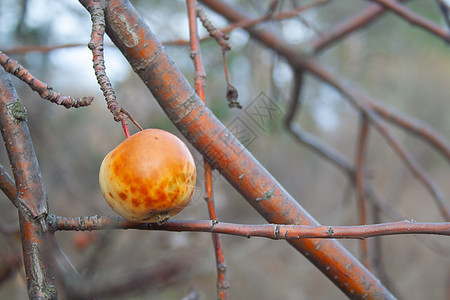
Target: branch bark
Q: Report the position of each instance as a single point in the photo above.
(30, 192)
(271, 231)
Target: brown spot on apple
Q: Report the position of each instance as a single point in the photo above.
(135, 202)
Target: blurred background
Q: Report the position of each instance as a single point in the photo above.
(403, 66)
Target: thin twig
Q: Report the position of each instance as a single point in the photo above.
(44, 90)
(96, 9)
(411, 125)
(414, 18)
(274, 17)
(339, 31)
(222, 40)
(299, 60)
(8, 186)
(200, 77)
(308, 139)
(256, 21)
(271, 231)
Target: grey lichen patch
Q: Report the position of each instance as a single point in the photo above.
(190, 103)
(37, 266)
(267, 195)
(276, 232)
(330, 231)
(17, 111)
(128, 36)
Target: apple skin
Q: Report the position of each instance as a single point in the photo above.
(149, 177)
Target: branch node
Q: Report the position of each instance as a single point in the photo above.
(276, 232)
(330, 231)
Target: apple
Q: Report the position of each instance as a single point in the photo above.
(149, 177)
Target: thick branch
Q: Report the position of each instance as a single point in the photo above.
(30, 193)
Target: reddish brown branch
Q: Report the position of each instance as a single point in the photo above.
(274, 16)
(8, 186)
(339, 31)
(96, 9)
(200, 76)
(414, 18)
(253, 22)
(222, 40)
(413, 126)
(271, 231)
(31, 195)
(44, 90)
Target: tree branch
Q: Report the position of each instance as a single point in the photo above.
(44, 90)
(414, 18)
(270, 231)
(30, 192)
(200, 78)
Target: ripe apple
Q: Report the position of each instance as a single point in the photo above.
(149, 177)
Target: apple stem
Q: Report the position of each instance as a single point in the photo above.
(125, 127)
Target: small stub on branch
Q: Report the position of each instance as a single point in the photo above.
(221, 38)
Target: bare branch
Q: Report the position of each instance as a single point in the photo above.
(31, 195)
(45, 91)
(364, 18)
(200, 78)
(414, 18)
(271, 231)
